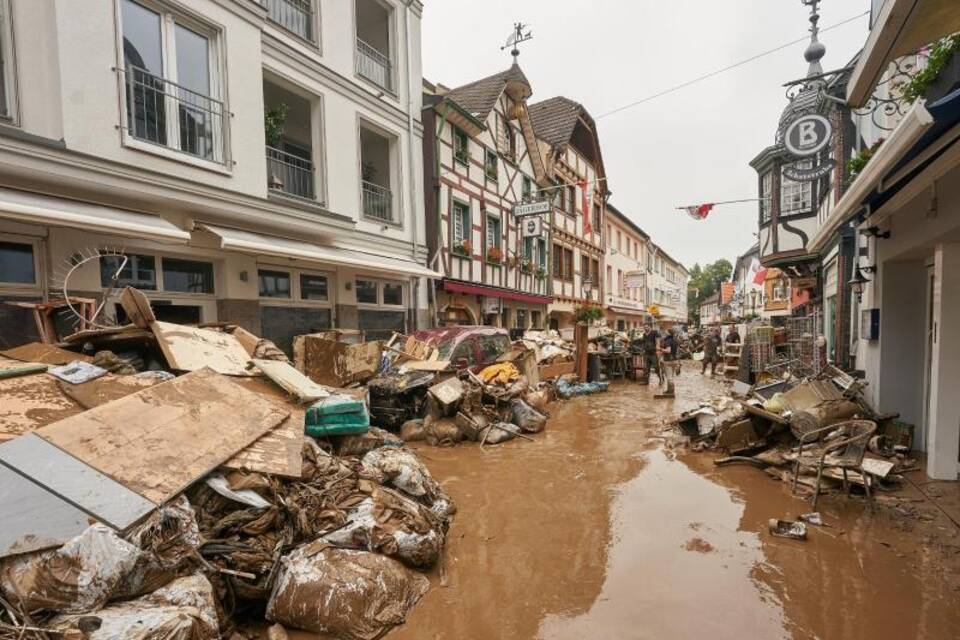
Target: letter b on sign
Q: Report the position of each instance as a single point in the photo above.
(807, 135)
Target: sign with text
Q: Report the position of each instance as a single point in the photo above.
(808, 174)
(525, 209)
(807, 134)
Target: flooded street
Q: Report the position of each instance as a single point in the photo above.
(601, 530)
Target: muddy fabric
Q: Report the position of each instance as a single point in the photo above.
(79, 576)
(442, 433)
(412, 431)
(353, 595)
(401, 469)
(500, 432)
(183, 610)
(526, 417)
(500, 373)
(391, 524)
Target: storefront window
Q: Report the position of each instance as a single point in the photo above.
(314, 287)
(139, 271)
(392, 293)
(366, 292)
(187, 276)
(16, 263)
(274, 284)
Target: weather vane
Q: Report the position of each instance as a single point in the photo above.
(517, 37)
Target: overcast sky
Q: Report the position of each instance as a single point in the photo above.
(689, 147)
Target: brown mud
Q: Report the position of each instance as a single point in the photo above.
(600, 530)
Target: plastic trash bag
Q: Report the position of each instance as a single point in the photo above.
(354, 595)
(526, 417)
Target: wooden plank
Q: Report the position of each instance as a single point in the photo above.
(106, 389)
(32, 402)
(32, 517)
(137, 306)
(191, 349)
(70, 479)
(292, 381)
(44, 354)
(159, 440)
(280, 451)
(556, 370)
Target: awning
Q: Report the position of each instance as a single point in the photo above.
(261, 244)
(911, 129)
(899, 27)
(25, 206)
(627, 311)
(469, 288)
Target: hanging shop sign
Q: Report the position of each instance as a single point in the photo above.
(525, 209)
(491, 305)
(531, 227)
(808, 174)
(807, 134)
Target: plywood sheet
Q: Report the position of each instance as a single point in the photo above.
(292, 381)
(280, 451)
(106, 389)
(44, 354)
(191, 348)
(137, 307)
(32, 402)
(70, 479)
(337, 364)
(32, 517)
(158, 441)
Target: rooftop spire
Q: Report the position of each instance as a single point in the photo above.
(815, 50)
(516, 38)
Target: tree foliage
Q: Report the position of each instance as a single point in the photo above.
(704, 282)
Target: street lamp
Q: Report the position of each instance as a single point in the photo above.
(857, 283)
(586, 285)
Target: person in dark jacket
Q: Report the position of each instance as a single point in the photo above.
(711, 352)
(734, 336)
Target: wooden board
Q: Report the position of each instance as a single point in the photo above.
(292, 381)
(137, 306)
(32, 402)
(337, 364)
(191, 349)
(159, 440)
(556, 370)
(70, 479)
(44, 354)
(279, 452)
(106, 389)
(32, 517)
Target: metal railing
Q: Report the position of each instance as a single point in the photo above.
(289, 174)
(374, 65)
(377, 201)
(296, 16)
(168, 114)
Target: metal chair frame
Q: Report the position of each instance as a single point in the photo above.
(856, 443)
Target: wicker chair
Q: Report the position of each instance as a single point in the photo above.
(845, 453)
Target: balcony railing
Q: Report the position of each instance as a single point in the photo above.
(296, 16)
(377, 201)
(168, 114)
(374, 65)
(289, 174)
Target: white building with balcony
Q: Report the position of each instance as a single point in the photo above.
(256, 162)
(625, 272)
(666, 288)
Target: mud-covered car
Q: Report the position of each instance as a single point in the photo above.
(396, 397)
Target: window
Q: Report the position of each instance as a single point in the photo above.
(595, 272)
(528, 249)
(274, 284)
(374, 55)
(557, 261)
(493, 231)
(17, 264)
(568, 264)
(527, 188)
(585, 268)
(460, 223)
(170, 89)
(766, 188)
(619, 241)
(392, 293)
(314, 287)
(596, 216)
(139, 271)
(535, 320)
(542, 253)
(461, 146)
(187, 276)
(779, 289)
(491, 164)
(796, 196)
(296, 16)
(7, 68)
(570, 199)
(609, 278)
(366, 292)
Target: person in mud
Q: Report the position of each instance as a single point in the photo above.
(711, 352)
(667, 348)
(734, 336)
(651, 340)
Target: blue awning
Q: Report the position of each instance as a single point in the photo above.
(946, 115)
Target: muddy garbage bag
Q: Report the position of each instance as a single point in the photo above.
(538, 399)
(441, 433)
(391, 524)
(413, 431)
(526, 417)
(182, 610)
(79, 576)
(401, 469)
(499, 432)
(362, 443)
(354, 595)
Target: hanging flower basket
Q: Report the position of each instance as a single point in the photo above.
(494, 255)
(465, 249)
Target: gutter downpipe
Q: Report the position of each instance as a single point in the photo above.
(411, 161)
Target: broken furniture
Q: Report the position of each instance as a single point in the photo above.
(845, 453)
(86, 309)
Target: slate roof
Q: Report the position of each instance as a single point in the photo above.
(479, 97)
(555, 119)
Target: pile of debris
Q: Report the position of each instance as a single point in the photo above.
(817, 433)
(157, 481)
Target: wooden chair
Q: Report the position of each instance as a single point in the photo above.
(845, 453)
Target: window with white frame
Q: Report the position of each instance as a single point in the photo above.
(174, 275)
(8, 70)
(373, 292)
(461, 146)
(274, 284)
(766, 188)
(18, 263)
(171, 88)
(130, 270)
(293, 284)
(460, 228)
(493, 231)
(542, 253)
(796, 196)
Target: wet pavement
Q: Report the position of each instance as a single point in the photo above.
(601, 530)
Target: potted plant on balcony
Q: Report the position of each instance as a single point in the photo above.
(857, 163)
(541, 274)
(494, 255)
(464, 249)
(526, 266)
(274, 120)
(940, 75)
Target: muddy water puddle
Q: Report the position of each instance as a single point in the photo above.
(598, 530)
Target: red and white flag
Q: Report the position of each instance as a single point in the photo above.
(758, 273)
(585, 203)
(699, 211)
